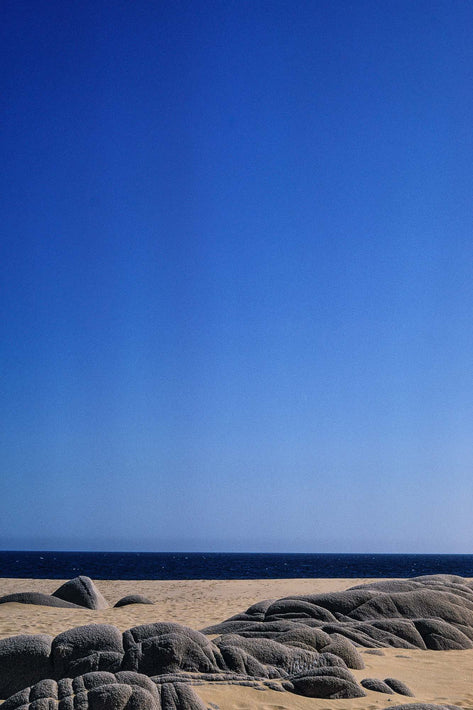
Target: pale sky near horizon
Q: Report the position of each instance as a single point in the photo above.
(237, 275)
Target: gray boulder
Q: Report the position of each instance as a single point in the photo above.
(395, 631)
(379, 686)
(299, 644)
(398, 686)
(179, 696)
(120, 696)
(416, 604)
(341, 602)
(241, 662)
(267, 658)
(342, 647)
(92, 691)
(84, 649)
(438, 635)
(37, 598)
(434, 612)
(331, 683)
(259, 609)
(298, 635)
(133, 599)
(162, 647)
(24, 660)
(234, 626)
(310, 639)
(83, 592)
(297, 609)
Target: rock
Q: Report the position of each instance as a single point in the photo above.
(299, 644)
(438, 635)
(434, 611)
(313, 639)
(327, 683)
(273, 659)
(167, 648)
(91, 691)
(24, 660)
(37, 598)
(118, 696)
(341, 602)
(416, 604)
(83, 592)
(297, 608)
(133, 599)
(301, 636)
(398, 686)
(179, 696)
(95, 647)
(234, 626)
(379, 686)
(259, 609)
(344, 649)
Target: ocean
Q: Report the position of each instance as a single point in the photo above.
(222, 565)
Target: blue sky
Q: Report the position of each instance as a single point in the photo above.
(237, 276)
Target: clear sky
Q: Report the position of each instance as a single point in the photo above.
(237, 275)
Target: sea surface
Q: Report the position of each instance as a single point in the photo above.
(220, 565)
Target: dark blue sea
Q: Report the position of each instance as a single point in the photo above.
(220, 565)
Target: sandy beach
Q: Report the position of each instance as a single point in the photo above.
(434, 676)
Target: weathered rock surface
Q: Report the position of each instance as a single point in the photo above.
(79, 592)
(95, 647)
(379, 686)
(83, 592)
(23, 661)
(103, 690)
(179, 696)
(37, 598)
(304, 645)
(163, 647)
(335, 682)
(388, 685)
(398, 686)
(133, 599)
(434, 612)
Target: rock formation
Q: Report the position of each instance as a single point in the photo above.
(304, 645)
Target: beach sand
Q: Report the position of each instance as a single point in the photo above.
(434, 676)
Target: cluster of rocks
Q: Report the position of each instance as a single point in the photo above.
(304, 645)
(170, 653)
(430, 612)
(78, 593)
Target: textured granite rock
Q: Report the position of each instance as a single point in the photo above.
(379, 686)
(37, 598)
(133, 599)
(104, 691)
(24, 660)
(95, 647)
(398, 686)
(434, 611)
(332, 683)
(302, 645)
(167, 648)
(83, 592)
